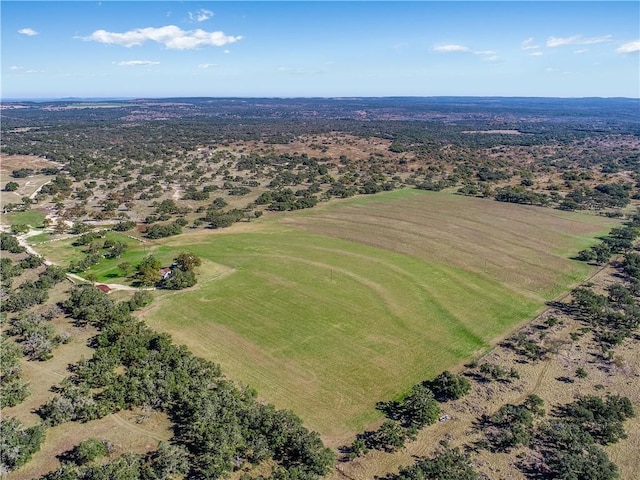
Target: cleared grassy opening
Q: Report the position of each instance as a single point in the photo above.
(330, 310)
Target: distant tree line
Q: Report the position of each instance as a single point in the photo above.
(619, 240)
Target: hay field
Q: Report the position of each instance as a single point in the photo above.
(330, 310)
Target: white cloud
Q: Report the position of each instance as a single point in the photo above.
(172, 37)
(137, 63)
(557, 42)
(528, 44)
(576, 40)
(594, 40)
(18, 68)
(201, 15)
(581, 51)
(229, 51)
(630, 47)
(207, 65)
(28, 31)
(451, 48)
(487, 55)
(536, 54)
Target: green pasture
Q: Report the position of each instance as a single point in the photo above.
(33, 218)
(327, 327)
(40, 238)
(330, 310)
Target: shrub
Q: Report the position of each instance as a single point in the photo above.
(11, 187)
(89, 450)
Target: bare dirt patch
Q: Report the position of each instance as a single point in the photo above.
(8, 163)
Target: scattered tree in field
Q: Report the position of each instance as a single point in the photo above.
(588, 462)
(124, 226)
(31, 261)
(391, 436)
(126, 268)
(179, 279)
(89, 450)
(8, 270)
(149, 270)
(36, 335)
(161, 231)
(420, 407)
(491, 371)
(18, 228)
(25, 296)
(22, 172)
(512, 425)
(448, 386)
(14, 388)
(447, 464)
(603, 419)
(187, 261)
(11, 186)
(10, 243)
(182, 274)
(569, 452)
(87, 304)
(168, 461)
(17, 444)
(140, 299)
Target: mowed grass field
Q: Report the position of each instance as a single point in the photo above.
(328, 311)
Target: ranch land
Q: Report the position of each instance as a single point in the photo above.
(347, 252)
(327, 312)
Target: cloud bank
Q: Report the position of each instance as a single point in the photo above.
(171, 36)
(137, 63)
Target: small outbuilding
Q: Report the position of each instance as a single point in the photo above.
(166, 272)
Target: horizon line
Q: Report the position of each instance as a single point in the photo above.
(284, 97)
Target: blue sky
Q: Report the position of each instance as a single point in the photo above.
(288, 49)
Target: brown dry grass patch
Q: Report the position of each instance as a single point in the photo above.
(8, 163)
(121, 429)
(477, 235)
